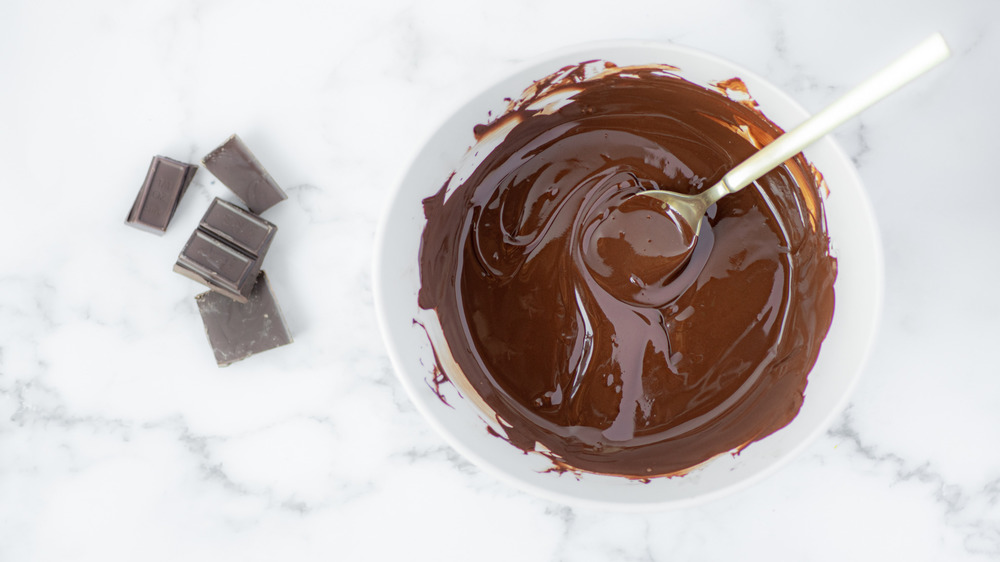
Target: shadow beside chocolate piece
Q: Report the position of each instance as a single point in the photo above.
(239, 170)
(239, 330)
(165, 184)
(227, 249)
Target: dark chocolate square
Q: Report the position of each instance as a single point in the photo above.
(227, 249)
(218, 265)
(239, 330)
(238, 228)
(165, 184)
(239, 170)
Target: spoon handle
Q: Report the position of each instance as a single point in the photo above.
(915, 62)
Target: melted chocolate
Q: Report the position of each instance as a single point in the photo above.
(554, 291)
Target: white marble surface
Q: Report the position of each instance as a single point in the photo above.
(121, 440)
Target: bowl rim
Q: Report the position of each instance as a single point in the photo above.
(416, 394)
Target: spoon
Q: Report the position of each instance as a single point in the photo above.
(691, 208)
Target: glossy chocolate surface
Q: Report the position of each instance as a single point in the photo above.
(563, 319)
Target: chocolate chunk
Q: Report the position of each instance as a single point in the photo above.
(237, 227)
(227, 249)
(239, 330)
(218, 265)
(166, 181)
(239, 170)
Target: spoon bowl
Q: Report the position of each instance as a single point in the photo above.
(689, 208)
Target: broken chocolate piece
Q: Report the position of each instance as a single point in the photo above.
(166, 181)
(239, 330)
(239, 170)
(227, 249)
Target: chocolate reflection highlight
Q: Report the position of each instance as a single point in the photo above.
(569, 326)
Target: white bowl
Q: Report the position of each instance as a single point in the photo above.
(858, 288)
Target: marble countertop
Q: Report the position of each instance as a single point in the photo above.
(120, 439)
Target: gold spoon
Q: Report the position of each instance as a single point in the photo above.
(920, 59)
